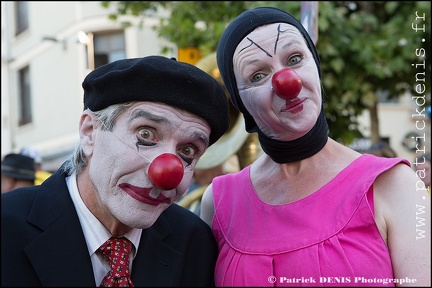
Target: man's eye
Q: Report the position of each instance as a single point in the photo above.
(188, 153)
(146, 134)
(146, 137)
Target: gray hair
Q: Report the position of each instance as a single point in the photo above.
(107, 117)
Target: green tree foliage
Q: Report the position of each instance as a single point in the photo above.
(366, 48)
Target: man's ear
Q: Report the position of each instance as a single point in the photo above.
(87, 130)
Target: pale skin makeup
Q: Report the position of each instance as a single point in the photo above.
(258, 56)
(256, 59)
(114, 185)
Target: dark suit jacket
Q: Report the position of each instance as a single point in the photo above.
(42, 243)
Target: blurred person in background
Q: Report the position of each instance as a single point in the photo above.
(17, 171)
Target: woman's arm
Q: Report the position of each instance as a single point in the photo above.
(403, 214)
(207, 205)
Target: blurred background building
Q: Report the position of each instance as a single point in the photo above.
(49, 47)
(47, 50)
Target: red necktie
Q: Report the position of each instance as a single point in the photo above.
(116, 252)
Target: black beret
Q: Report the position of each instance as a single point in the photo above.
(18, 166)
(159, 79)
(241, 26)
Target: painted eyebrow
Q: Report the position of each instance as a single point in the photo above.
(279, 32)
(293, 42)
(201, 137)
(256, 44)
(149, 116)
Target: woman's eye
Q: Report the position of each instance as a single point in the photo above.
(294, 60)
(257, 77)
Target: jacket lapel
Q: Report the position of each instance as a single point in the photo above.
(156, 263)
(59, 255)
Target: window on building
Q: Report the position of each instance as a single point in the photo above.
(21, 17)
(24, 99)
(108, 47)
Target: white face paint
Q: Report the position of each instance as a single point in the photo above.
(258, 56)
(119, 159)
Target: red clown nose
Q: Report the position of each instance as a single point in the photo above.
(286, 83)
(166, 171)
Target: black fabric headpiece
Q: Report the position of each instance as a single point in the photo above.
(246, 22)
(159, 79)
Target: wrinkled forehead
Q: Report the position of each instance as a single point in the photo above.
(270, 34)
(149, 110)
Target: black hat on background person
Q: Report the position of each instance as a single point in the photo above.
(17, 171)
(18, 166)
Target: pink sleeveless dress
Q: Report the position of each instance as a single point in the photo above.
(329, 238)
